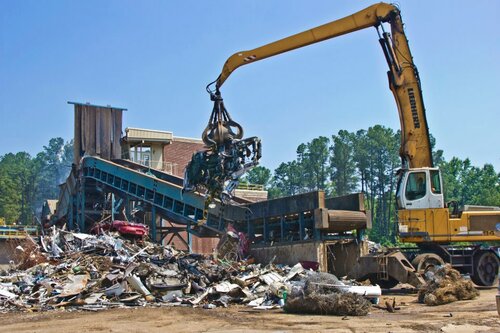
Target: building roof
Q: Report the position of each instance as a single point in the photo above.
(188, 140)
(133, 134)
(98, 106)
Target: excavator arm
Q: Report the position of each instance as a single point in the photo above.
(422, 215)
(403, 76)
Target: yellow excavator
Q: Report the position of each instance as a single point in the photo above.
(423, 216)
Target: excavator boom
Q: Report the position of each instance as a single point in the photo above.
(403, 75)
(365, 18)
(423, 217)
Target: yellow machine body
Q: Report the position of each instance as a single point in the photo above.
(436, 225)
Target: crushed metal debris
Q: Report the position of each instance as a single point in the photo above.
(77, 271)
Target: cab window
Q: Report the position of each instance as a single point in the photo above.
(415, 186)
(435, 182)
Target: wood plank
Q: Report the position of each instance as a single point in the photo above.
(105, 133)
(77, 135)
(116, 148)
(91, 130)
(98, 131)
(85, 130)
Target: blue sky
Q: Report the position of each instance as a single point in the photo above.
(155, 58)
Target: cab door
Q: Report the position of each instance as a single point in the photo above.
(415, 190)
(436, 197)
(420, 189)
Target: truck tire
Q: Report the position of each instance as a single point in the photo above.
(427, 261)
(486, 265)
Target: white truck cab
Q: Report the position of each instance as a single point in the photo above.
(420, 188)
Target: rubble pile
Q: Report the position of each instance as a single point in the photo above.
(446, 285)
(93, 272)
(27, 254)
(323, 293)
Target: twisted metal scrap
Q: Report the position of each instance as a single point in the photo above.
(217, 169)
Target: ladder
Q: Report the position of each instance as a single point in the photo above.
(382, 273)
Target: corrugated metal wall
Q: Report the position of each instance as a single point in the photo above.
(97, 131)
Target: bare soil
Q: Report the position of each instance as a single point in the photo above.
(479, 315)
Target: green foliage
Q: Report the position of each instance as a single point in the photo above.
(309, 172)
(26, 181)
(437, 155)
(469, 184)
(367, 161)
(383, 161)
(313, 159)
(18, 185)
(259, 175)
(287, 179)
(343, 164)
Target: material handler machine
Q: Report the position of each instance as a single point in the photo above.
(423, 217)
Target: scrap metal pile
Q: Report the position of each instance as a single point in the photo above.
(228, 156)
(92, 272)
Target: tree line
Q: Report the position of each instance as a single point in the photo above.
(26, 181)
(348, 162)
(366, 161)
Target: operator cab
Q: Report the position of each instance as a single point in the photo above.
(420, 188)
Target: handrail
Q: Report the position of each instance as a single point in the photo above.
(17, 231)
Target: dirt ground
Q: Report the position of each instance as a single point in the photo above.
(478, 315)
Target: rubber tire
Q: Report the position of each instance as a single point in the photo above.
(426, 261)
(485, 260)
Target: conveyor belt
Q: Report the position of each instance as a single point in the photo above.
(158, 189)
(163, 176)
(301, 217)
